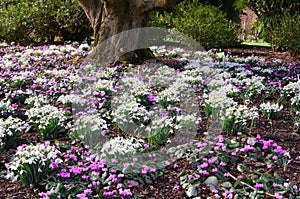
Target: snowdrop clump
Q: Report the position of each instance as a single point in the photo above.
(120, 146)
(48, 120)
(7, 108)
(23, 76)
(251, 86)
(31, 163)
(175, 52)
(89, 128)
(238, 117)
(128, 112)
(37, 101)
(193, 76)
(291, 89)
(295, 101)
(271, 110)
(292, 92)
(219, 101)
(158, 50)
(10, 128)
(104, 85)
(70, 99)
(165, 76)
(242, 112)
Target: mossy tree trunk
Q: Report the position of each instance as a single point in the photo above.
(110, 17)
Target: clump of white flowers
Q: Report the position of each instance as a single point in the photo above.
(119, 146)
(89, 129)
(175, 52)
(36, 101)
(85, 47)
(242, 112)
(158, 50)
(6, 108)
(48, 120)
(292, 92)
(104, 85)
(292, 89)
(128, 112)
(10, 129)
(217, 102)
(68, 100)
(165, 76)
(31, 163)
(271, 110)
(295, 101)
(253, 86)
(238, 117)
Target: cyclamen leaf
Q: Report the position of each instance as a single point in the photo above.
(242, 168)
(212, 181)
(192, 191)
(226, 185)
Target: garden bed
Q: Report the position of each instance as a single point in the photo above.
(246, 163)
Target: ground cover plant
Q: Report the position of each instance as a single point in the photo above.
(46, 148)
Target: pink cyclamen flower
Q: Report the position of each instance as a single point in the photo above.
(277, 196)
(222, 164)
(259, 185)
(176, 186)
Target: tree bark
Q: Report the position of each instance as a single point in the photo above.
(110, 17)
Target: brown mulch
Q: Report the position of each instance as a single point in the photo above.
(262, 52)
(163, 187)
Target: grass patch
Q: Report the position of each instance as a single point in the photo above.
(264, 44)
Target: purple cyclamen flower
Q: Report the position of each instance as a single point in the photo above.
(126, 192)
(259, 185)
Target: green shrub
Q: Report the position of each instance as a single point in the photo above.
(205, 23)
(287, 33)
(40, 21)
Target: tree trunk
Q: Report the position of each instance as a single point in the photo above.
(111, 17)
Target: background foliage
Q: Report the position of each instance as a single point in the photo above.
(280, 20)
(207, 24)
(40, 21)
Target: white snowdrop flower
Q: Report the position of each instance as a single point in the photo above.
(37, 101)
(129, 111)
(32, 155)
(271, 107)
(293, 88)
(6, 108)
(295, 101)
(121, 146)
(105, 84)
(70, 99)
(85, 47)
(242, 112)
(251, 59)
(218, 99)
(257, 68)
(267, 70)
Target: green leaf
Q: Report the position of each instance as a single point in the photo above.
(212, 181)
(185, 185)
(242, 168)
(226, 185)
(237, 183)
(260, 164)
(192, 191)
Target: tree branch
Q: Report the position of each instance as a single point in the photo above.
(92, 8)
